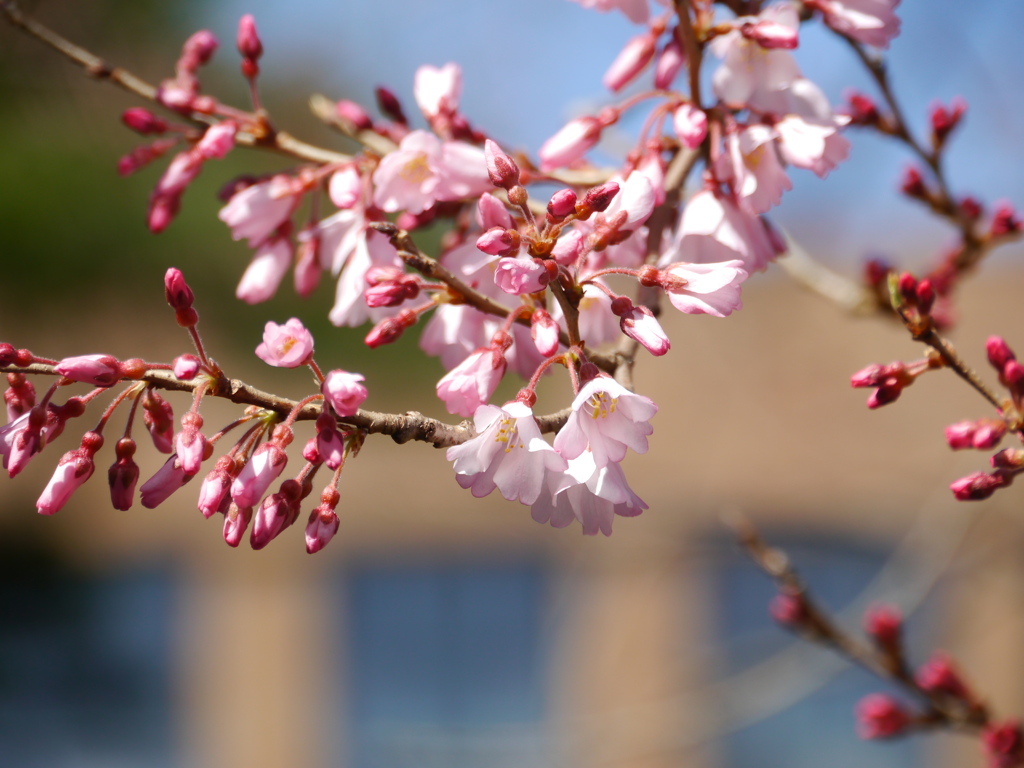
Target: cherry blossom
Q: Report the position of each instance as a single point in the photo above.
(285, 346)
(508, 453)
(710, 289)
(606, 419)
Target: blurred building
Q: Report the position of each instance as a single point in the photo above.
(437, 630)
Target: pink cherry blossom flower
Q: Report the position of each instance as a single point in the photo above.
(190, 443)
(587, 493)
(814, 144)
(257, 211)
(343, 391)
(23, 438)
(508, 453)
(519, 276)
(437, 89)
(218, 140)
(330, 444)
(263, 468)
(265, 272)
(714, 229)
(872, 22)
(751, 164)
(424, 170)
(286, 346)
(670, 62)
(711, 289)
(471, 383)
(544, 332)
(606, 419)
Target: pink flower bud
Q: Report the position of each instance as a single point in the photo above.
(169, 478)
(979, 485)
(218, 140)
(597, 199)
(178, 294)
(912, 185)
(1003, 744)
(960, 435)
(248, 40)
(274, 514)
(884, 624)
(330, 445)
(344, 392)
(351, 112)
(159, 419)
(307, 266)
(944, 120)
(691, 124)
(20, 396)
(200, 47)
(670, 62)
(185, 367)
(519, 276)
(263, 468)
(501, 169)
(73, 469)
(1008, 458)
(561, 204)
(938, 675)
(190, 444)
(498, 241)
(491, 212)
(1005, 221)
(770, 34)
(236, 520)
(98, 370)
(390, 329)
(570, 143)
(568, 248)
(143, 121)
(640, 325)
(880, 717)
(214, 494)
(631, 61)
(322, 526)
(390, 105)
(544, 332)
(788, 609)
(123, 475)
(286, 346)
(862, 109)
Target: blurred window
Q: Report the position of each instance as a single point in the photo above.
(85, 667)
(446, 667)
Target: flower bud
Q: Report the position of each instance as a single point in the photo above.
(98, 370)
(631, 61)
(1003, 744)
(770, 34)
(501, 169)
(389, 104)
(123, 475)
(236, 520)
(597, 199)
(670, 62)
(248, 39)
(880, 717)
(143, 121)
(344, 392)
(544, 332)
(691, 124)
(788, 609)
(944, 120)
(178, 294)
(938, 675)
(912, 185)
(185, 367)
(351, 112)
(1005, 221)
(497, 241)
(169, 478)
(570, 143)
(561, 204)
(884, 624)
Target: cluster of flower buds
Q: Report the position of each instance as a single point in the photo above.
(239, 484)
(889, 381)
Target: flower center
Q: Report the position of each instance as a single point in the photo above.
(602, 405)
(416, 170)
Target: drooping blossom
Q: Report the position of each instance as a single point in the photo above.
(424, 170)
(73, 469)
(471, 383)
(872, 22)
(344, 391)
(508, 453)
(634, 57)
(710, 289)
(690, 124)
(169, 478)
(257, 211)
(265, 465)
(265, 272)
(751, 164)
(286, 346)
(590, 494)
(437, 90)
(606, 419)
(570, 143)
(518, 276)
(714, 229)
(812, 143)
(322, 526)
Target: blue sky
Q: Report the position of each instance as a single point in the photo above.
(531, 65)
